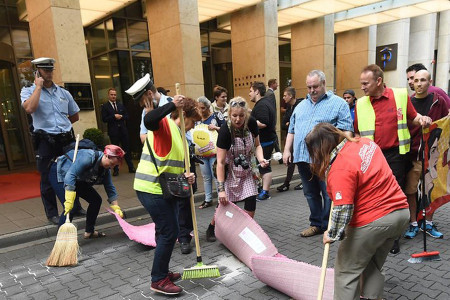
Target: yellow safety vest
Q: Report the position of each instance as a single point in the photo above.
(366, 118)
(146, 178)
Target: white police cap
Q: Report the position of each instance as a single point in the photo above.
(140, 87)
(44, 62)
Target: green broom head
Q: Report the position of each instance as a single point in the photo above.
(201, 271)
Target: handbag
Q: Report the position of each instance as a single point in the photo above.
(173, 186)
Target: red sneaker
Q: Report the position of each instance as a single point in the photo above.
(173, 276)
(165, 286)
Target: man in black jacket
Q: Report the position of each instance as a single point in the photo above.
(264, 113)
(272, 86)
(115, 115)
(292, 102)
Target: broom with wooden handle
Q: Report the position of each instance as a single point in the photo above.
(425, 255)
(199, 270)
(326, 250)
(66, 249)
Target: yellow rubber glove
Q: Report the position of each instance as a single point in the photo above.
(70, 198)
(117, 210)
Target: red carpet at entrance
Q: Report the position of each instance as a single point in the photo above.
(19, 186)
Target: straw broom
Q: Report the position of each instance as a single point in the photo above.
(66, 249)
(199, 270)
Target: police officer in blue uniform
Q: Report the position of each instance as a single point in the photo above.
(53, 111)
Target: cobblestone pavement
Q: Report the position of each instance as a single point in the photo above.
(117, 268)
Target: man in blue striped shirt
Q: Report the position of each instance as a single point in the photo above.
(319, 106)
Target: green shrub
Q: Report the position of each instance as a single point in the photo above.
(95, 135)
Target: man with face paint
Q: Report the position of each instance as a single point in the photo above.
(382, 116)
(434, 106)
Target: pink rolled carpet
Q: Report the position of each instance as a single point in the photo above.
(241, 234)
(144, 234)
(296, 279)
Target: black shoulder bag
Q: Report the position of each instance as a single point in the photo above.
(174, 186)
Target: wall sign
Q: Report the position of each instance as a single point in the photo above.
(82, 94)
(386, 57)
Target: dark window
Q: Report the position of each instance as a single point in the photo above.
(21, 42)
(284, 50)
(138, 35)
(97, 39)
(4, 36)
(14, 18)
(124, 65)
(119, 55)
(204, 39)
(120, 30)
(102, 77)
(110, 33)
(134, 10)
(3, 19)
(141, 64)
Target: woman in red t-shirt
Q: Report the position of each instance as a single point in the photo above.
(370, 209)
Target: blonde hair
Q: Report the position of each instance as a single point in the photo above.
(235, 103)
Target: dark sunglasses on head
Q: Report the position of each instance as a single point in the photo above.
(236, 103)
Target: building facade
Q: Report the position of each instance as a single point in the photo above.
(198, 47)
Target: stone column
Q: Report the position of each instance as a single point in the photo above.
(422, 38)
(355, 49)
(254, 47)
(175, 45)
(57, 31)
(443, 60)
(312, 47)
(392, 33)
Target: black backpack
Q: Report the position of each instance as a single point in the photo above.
(82, 144)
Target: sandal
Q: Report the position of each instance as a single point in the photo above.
(205, 205)
(94, 235)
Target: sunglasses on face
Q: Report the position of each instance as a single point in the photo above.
(236, 103)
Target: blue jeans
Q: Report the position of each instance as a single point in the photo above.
(85, 191)
(312, 188)
(208, 176)
(165, 215)
(46, 153)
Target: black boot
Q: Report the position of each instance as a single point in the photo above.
(210, 235)
(396, 247)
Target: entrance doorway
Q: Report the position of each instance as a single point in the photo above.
(13, 152)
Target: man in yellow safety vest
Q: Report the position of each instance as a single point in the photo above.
(382, 115)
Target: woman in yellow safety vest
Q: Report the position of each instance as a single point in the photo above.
(165, 143)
